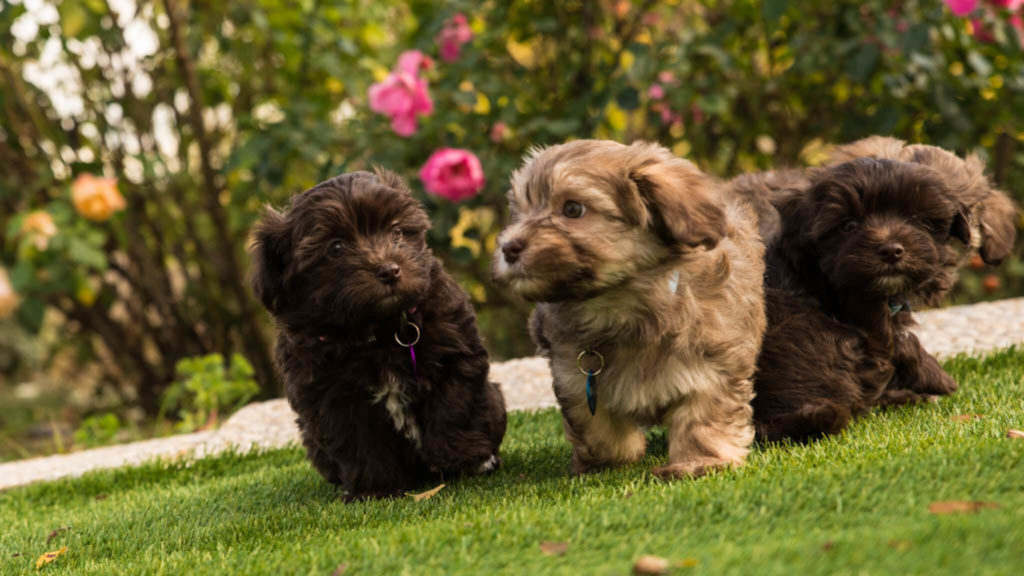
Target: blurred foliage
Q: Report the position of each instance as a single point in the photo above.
(208, 390)
(97, 430)
(205, 111)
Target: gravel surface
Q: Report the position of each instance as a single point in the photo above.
(526, 382)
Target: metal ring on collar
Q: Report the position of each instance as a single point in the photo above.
(579, 362)
(414, 340)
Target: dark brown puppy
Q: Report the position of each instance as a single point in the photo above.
(865, 239)
(348, 276)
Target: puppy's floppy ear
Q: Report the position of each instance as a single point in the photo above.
(961, 227)
(682, 202)
(271, 251)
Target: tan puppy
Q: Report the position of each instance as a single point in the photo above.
(647, 277)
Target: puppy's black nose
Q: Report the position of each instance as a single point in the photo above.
(389, 273)
(512, 249)
(891, 252)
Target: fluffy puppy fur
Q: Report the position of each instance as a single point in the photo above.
(854, 247)
(994, 215)
(631, 252)
(344, 272)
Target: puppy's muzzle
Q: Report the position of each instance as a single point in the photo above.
(389, 273)
(891, 252)
(513, 249)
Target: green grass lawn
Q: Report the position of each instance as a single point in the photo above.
(858, 503)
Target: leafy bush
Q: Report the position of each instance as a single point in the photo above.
(207, 390)
(205, 111)
(97, 430)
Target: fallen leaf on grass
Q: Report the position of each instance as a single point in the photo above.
(16, 554)
(1014, 434)
(340, 569)
(50, 557)
(651, 565)
(686, 563)
(827, 546)
(101, 496)
(966, 417)
(56, 532)
(959, 506)
(554, 548)
(425, 495)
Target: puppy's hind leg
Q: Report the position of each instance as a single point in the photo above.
(812, 420)
(601, 440)
(708, 430)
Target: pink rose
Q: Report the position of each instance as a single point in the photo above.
(401, 96)
(1018, 26)
(962, 7)
(1008, 4)
(666, 77)
(668, 117)
(498, 131)
(453, 173)
(453, 35)
(980, 31)
(655, 92)
(413, 62)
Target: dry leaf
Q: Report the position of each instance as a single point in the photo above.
(958, 506)
(966, 417)
(50, 557)
(554, 548)
(340, 569)
(426, 495)
(16, 554)
(827, 546)
(101, 496)
(1014, 434)
(55, 532)
(686, 563)
(651, 565)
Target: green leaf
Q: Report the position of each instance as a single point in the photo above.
(628, 99)
(772, 10)
(22, 276)
(86, 254)
(30, 315)
(73, 18)
(863, 63)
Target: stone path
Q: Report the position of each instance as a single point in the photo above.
(526, 382)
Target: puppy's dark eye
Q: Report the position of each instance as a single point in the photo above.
(850, 226)
(397, 234)
(573, 209)
(335, 249)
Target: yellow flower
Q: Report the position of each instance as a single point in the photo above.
(8, 298)
(38, 226)
(96, 198)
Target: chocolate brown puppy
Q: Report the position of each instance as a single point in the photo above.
(648, 280)
(377, 344)
(994, 215)
(856, 248)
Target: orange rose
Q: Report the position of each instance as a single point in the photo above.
(8, 299)
(96, 198)
(39, 227)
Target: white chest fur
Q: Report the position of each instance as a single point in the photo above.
(392, 395)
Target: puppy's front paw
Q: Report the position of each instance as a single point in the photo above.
(691, 469)
(490, 465)
(931, 379)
